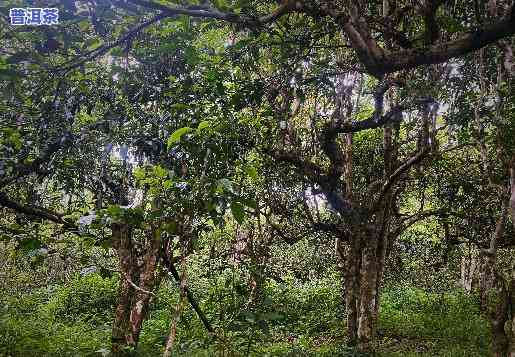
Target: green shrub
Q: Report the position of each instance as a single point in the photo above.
(440, 322)
(90, 298)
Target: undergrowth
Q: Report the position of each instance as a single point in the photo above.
(293, 319)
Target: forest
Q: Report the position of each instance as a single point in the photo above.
(257, 178)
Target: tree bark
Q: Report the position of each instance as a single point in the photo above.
(121, 335)
(495, 294)
(352, 289)
(512, 308)
(368, 291)
(469, 267)
(363, 274)
(512, 191)
(148, 280)
(135, 288)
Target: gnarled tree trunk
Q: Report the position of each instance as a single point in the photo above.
(135, 287)
(363, 274)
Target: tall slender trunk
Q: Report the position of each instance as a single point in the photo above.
(149, 278)
(469, 266)
(512, 283)
(512, 308)
(512, 190)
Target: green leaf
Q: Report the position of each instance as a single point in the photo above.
(167, 184)
(30, 244)
(180, 106)
(176, 136)
(224, 184)
(248, 202)
(203, 125)
(115, 211)
(238, 211)
(170, 227)
(273, 316)
(160, 172)
(84, 24)
(252, 172)
(139, 173)
(249, 316)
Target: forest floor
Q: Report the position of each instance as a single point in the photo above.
(293, 320)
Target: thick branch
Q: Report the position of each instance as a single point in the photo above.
(412, 58)
(375, 121)
(34, 211)
(378, 62)
(328, 184)
(307, 168)
(211, 13)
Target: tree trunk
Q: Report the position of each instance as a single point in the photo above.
(352, 281)
(148, 280)
(512, 308)
(469, 267)
(512, 190)
(495, 294)
(122, 242)
(368, 291)
(364, 270)
(133, 299)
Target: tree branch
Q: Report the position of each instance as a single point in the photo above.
(375, 121)
(103, 49)
(417, 217)
(212, 13)
(136, 287)
(411, 58)
(398, 172)
(432, 28)
(378, 62)
(34, 211)
(328, 184)
(22, 169)
(170, 267)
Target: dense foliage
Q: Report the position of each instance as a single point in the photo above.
(252, 178)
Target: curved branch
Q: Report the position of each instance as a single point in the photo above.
(397, 173)
(34, 211)
(411, 58)
(170, 268)
(378, 62)
(212, 13)
(101, 50)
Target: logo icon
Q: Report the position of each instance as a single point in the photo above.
(34, 16)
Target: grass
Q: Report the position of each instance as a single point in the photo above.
(295, 320)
